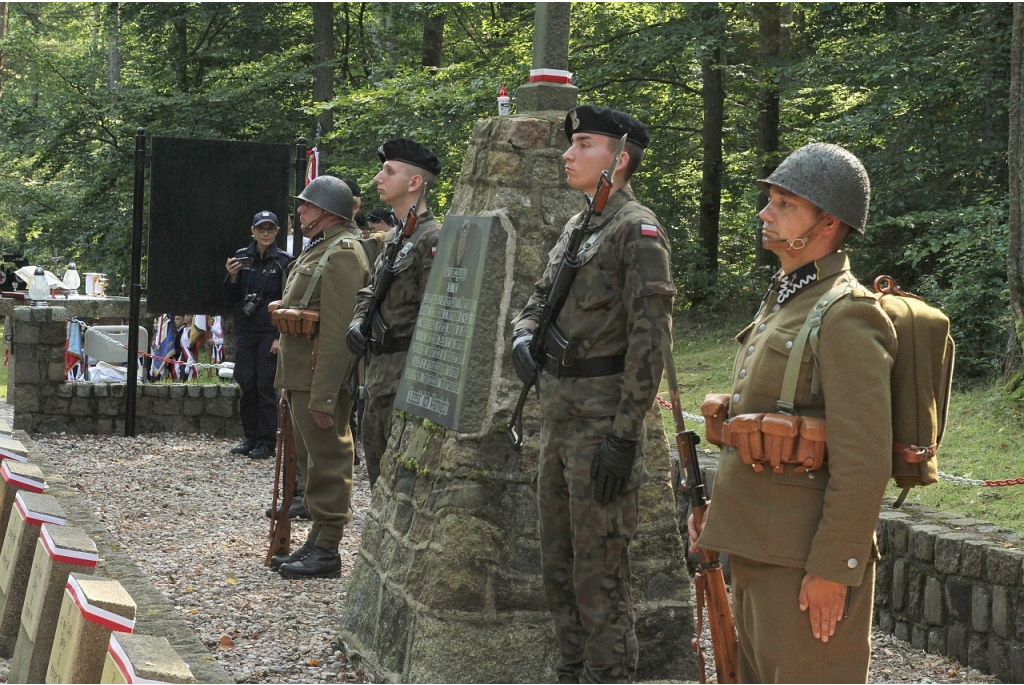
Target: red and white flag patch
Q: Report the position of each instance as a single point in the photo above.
(433, 251)
(648, 230)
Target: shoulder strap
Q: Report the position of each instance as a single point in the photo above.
(809, 332)
(308, 295)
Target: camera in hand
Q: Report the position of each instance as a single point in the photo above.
(252, 303)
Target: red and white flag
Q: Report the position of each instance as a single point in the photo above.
(312, 164)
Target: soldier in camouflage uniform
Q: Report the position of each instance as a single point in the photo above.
(407, 169)
(313, 371)
(594, 396)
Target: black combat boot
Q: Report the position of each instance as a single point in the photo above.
(244, 447)
(301, 553)
(320, 563)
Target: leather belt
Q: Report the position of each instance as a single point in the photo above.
(393, 345)
(586, 368)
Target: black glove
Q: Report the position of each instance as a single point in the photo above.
(613, 462)
(524, 363)
(355, 339)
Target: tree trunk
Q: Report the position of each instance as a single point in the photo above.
(772, 38)
(433, 40)
(113, 47)
(323, 63)
(4, 15)
(713, 96)
(1015, 257)
(180, 52)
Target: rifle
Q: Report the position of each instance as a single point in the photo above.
(284, 482)
(386, 276)
(709, 580)
(552, 305)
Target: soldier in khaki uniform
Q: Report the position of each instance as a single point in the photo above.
(408, 168)
(313, 372)
(594, 395)
(803, 542)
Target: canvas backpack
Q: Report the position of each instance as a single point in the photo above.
(921, 378)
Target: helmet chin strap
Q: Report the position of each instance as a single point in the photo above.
(796, 243)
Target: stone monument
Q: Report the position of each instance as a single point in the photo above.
(447, 585)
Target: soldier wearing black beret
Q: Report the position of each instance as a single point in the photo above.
(408, 169)
(595, 394)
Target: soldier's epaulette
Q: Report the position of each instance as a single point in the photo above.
(346, 244)
(861, 293)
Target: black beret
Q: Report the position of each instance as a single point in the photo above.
(607, 122)
(410, 152)
(353, 186)
(381, 215)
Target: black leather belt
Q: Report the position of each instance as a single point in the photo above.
(393, 345)
(586, 368)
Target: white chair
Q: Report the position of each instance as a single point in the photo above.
(104, 344)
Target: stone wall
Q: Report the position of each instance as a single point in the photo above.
(952, 585)
(44, 402)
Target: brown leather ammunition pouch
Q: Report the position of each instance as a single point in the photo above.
(310, 323)
(744, 433)
(780, 436)
(298, 322)
(811, 448)
(715, 410)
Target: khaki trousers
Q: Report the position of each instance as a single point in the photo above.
(775, 640)
(329, 461)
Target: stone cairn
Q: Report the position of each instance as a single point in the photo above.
(58, 622)
(447, 584)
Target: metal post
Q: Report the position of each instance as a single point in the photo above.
(300, 183)
(135, 289)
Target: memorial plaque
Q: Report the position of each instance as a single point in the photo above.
(450, 364)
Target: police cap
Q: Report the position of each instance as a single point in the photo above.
(410, 152)
(264, 217)
(607, 122)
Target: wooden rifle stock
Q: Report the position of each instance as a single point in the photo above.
(560, 284)
(709, 581)
(284, 483)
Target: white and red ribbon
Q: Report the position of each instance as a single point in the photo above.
(21, 482)
(107, 619)
(11, 454)
(123, 663)
(35, 518)
(312, 164)
(550, 75)
(66, 556)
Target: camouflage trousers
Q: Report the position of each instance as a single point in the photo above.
(585, 556)
(376, 429)
(329, 456)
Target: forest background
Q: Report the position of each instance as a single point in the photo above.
(920, 92)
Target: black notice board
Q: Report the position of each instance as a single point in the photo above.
(203, 195)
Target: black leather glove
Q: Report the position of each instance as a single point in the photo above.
(613, 462)
(355, 339)
(522, 360)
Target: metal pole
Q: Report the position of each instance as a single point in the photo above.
(135, 289)
(300, 183)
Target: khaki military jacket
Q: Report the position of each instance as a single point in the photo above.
(402, 304)
(620, 303)
(345, 273)
(822, 521)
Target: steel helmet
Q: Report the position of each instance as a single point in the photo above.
(329, 194)
(829, 176)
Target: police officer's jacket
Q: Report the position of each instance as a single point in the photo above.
(822, 521)
(265, 278)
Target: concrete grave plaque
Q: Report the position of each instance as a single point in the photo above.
(16, 476)
(33, 510)
(451, 361)
(91, 610)
(143, 659)
(59, 550)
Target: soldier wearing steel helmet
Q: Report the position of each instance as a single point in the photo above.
(324, 279)
(802, 542)
(595, 392)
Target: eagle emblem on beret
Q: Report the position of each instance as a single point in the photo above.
(575, 119)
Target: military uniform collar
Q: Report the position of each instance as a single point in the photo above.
(786, 286)
(616, 201)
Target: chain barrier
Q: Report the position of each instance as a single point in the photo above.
(195, 365)
(959, 480)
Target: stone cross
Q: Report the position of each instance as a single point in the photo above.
(549, 87)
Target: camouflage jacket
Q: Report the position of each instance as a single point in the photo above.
(402, 304)
(620, 304)
(345, 272)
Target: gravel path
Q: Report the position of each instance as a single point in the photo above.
(192, 517)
